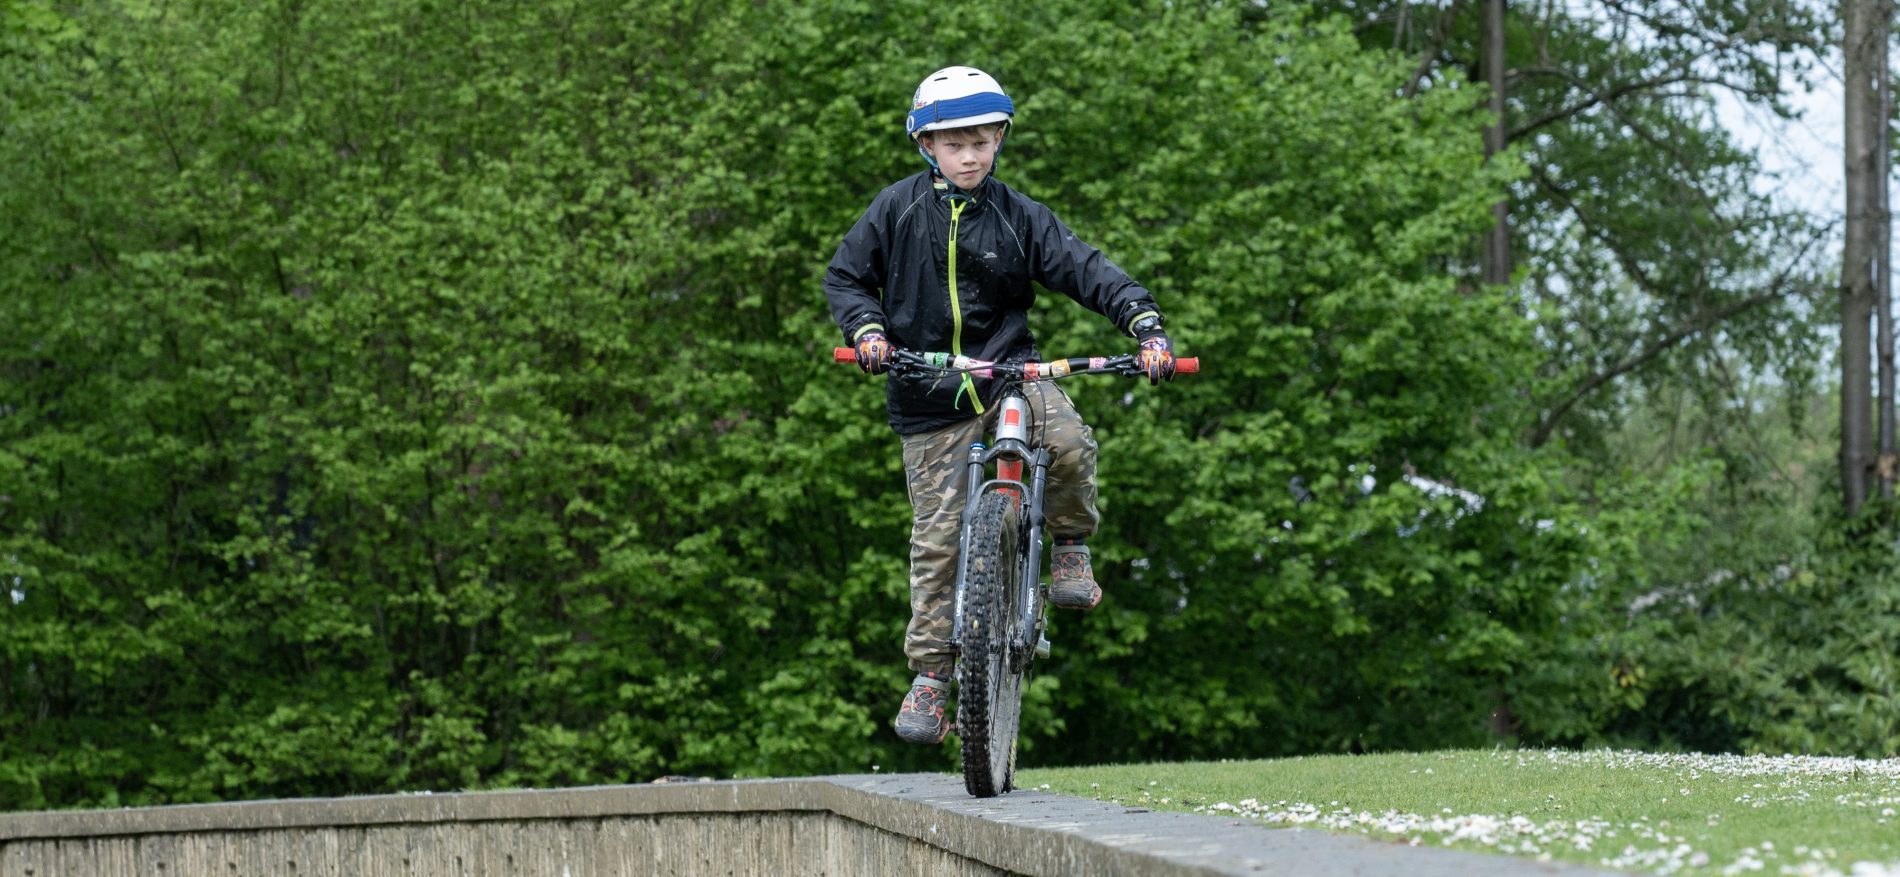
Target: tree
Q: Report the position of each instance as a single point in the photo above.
(1642, 236)
(1863, 263)
(1497, 240)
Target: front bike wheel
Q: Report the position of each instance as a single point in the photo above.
(989, 699)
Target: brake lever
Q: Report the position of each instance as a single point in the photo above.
(1127, 365)
(907, 360)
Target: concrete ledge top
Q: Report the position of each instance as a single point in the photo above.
(1025, 831)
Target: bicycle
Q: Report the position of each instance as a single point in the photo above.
(998, 618)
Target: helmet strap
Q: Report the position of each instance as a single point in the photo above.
(950, 190)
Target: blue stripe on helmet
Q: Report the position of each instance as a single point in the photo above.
(960, 108)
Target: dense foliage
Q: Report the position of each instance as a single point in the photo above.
(396, 397)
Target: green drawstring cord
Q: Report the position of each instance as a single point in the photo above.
(957, 203)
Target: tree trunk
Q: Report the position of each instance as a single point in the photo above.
(1497, 241)
(1883, 250)
(1865, 42)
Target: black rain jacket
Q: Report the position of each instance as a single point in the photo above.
(894, 268)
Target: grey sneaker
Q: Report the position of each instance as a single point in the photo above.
(924, 716)
(1072, 581)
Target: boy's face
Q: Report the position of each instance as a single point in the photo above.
(965, 155)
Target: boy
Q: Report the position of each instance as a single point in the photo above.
(942, 262)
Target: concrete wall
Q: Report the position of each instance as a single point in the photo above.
(675, 846)
(785, 827)
(914, 825)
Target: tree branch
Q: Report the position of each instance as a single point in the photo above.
(1440, 32)
(1662, 144)
(1597, 98)
(1693, 326)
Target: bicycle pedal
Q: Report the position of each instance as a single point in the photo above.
(1042, 646)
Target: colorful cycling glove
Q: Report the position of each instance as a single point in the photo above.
(874, 353)
(1156, 357)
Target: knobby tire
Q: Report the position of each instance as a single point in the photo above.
(989, 699)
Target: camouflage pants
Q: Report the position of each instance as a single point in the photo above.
(934, 465)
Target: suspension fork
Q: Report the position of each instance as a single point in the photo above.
(1013, 441)
(1031, 578)
(972, 479)
(1011, 450)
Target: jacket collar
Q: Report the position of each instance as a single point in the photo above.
(976, 198)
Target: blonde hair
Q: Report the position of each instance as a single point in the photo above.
(992, 129)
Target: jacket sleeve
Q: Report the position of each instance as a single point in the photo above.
(1064, 263)
(854, 282)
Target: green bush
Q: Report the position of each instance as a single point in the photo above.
(1794, 654)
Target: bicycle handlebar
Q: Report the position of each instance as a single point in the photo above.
(1029, 371)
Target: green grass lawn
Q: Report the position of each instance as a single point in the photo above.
(1662, 814)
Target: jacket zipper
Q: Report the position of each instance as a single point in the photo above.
(956, 308)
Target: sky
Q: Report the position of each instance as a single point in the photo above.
(1802, 158)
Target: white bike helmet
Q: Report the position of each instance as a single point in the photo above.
(957, 97)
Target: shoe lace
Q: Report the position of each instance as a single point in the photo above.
(1072, 565)
(925, 700)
